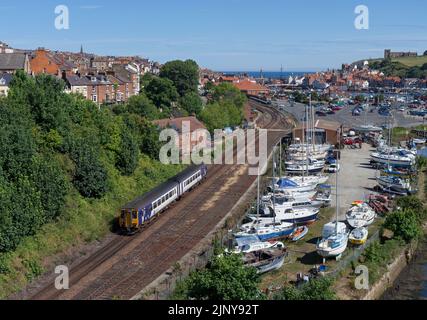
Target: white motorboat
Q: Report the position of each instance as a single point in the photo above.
(358, 236)
(284, 184)
(395, 183)
(297, 196)
(360, 215)
(305, 162)
(265, 260)
(266, 232)
(368, 128)
(300, 156)
(315, 179)
(289, 202)
(393, 159)
(334, 240)
(300, 216)
(302, 147)
(252, 243)
(301, 168)
(419, 141)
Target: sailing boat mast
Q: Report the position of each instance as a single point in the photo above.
(306, 143)
(336, 187)
(257, 202)
(274, 189)
(313, 133)
(280, 159)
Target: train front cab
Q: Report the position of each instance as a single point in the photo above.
(129, 220)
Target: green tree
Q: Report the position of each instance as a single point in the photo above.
(184, 75)
(149, 139)
(226, 92)
(209, 87)
(192, 103)
(90, 177)
(50, 180)
(225, 278)
(162, 92)
(143, 106)
(127, 158)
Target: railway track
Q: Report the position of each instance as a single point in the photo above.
(125, 265)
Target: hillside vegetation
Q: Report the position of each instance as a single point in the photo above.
(67, 165)
(412, 61)
(398, 69)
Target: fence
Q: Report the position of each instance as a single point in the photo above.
(166, 287)
(352, 255)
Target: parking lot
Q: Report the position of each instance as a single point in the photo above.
(344, 116)
(355, 179)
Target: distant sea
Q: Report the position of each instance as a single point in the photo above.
(269, 74)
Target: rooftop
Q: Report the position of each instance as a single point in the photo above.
(178, 123)
(12, 61)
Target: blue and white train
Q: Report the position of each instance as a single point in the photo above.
(142, 210)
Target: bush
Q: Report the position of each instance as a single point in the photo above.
(90, 177)
(316, 289)
(377, 256)
(225, 278)
(127, 159)
(414, 204)
(405, 224)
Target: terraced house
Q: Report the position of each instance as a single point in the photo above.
(101, 88)
(46, 62)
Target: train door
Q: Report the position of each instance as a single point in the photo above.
(179, 189)
(140, 217)
(147, 212)
(135, 223)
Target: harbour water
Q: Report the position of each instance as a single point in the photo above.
(412, 282)
(269, 74)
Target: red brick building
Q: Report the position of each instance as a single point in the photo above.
(43, 62)
(251, 88)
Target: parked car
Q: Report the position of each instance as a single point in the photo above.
(321, 113)
(334, 167)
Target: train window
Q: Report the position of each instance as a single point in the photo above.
(134, 215)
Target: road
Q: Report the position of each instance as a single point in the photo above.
(123, 266)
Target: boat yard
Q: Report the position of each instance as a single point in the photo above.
(325, 200)
(356, 182)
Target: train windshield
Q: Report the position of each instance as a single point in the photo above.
(134, 215)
